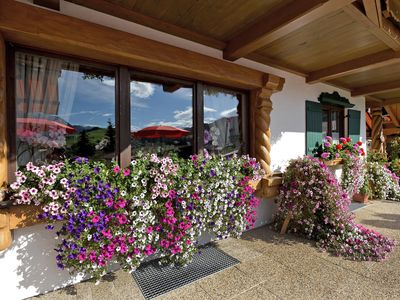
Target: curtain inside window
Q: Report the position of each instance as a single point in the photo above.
(39, 101)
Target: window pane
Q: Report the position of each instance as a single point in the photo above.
(335, 121)
(221, 121)
(161, 117)
(63, 109)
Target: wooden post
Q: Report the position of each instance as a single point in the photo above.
(377, 129)
(262, 107)
(5, 232)
(285, 224)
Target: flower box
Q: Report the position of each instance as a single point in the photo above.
(334, 162)
(361, 198)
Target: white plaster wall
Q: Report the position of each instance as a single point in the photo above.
(28, 267)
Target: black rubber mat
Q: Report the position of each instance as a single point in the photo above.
(155, 280)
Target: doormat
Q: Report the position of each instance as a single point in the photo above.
(155, 280)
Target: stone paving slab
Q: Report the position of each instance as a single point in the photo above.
(276, 267)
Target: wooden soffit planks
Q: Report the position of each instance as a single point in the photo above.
(385, 31)
(137, 17)
(35, 27)
(279, 23)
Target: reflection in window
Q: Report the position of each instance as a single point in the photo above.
(63, 109)
(161, 117)
(221, 121)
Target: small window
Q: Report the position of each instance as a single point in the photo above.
(333, 121)
(63, 109)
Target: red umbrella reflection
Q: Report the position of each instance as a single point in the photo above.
(43, 125)
(154, 132)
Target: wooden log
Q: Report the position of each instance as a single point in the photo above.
(5, 231)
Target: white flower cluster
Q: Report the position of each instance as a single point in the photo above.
(384, 186)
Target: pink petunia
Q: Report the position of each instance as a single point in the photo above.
(117, 169)
(127, 172)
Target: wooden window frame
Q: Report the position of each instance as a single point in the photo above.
(122, 75)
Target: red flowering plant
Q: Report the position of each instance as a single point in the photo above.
(329, 150)
(156, 206)
(319, 210)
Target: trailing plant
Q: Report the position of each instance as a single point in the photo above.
(158, 205)
(353, 174)
(384, 183)
(393, 148)
(376, 156)
(365, 188)
(318, 208)
(329, 150)
(394, 166)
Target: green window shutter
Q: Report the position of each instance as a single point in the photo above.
(313, 125)
(354, 121)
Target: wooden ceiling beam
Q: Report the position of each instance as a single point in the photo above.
(382, 103)
(51, 4)
(376, 88)
(361, 64)
(278, 23)
(122, 12)
(373, 11)
(387, 33)
(391, 131)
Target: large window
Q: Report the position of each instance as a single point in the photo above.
(67, 107)
(63, 108)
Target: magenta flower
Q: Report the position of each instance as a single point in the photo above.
(121, 203)
(117, 169)
(95, 219)
(127, 172)
(325, 155)
(109, 202)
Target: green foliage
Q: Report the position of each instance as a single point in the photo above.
(365, 188)
(376, 156)
(110, 135)
(393, 148)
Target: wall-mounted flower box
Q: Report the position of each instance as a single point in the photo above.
(334, 162)
(16, 217)
(267, 187)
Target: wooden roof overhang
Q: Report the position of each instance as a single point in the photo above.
(351, 44)
(346, 43)
(43, 29)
